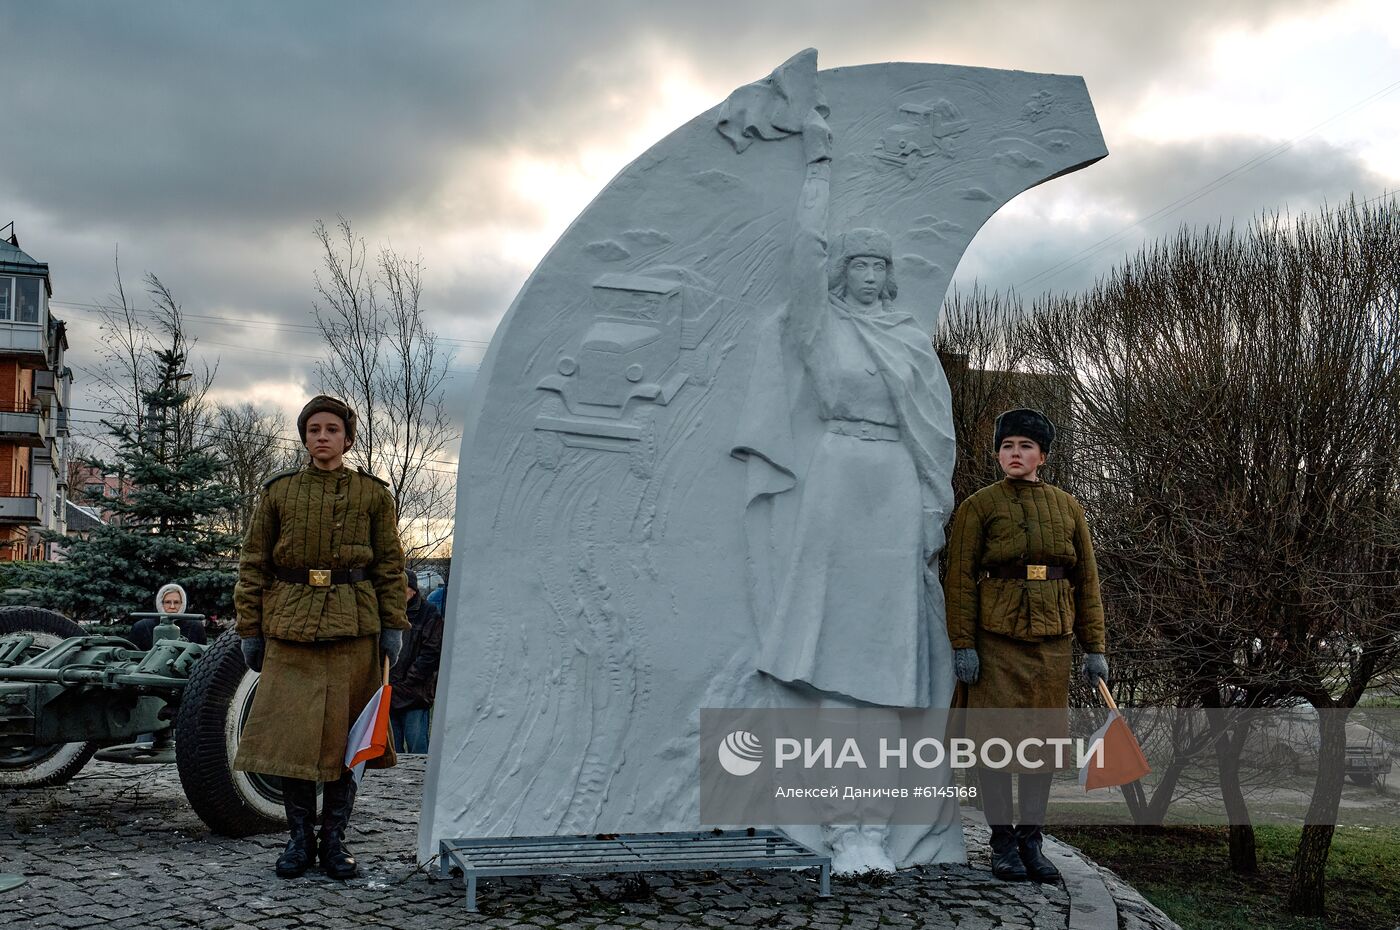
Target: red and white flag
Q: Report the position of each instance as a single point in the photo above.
(1117, 758)
(369, 734)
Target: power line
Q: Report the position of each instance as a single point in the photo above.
(99, 310)
(218, 430)
(1192, 196)
(282, 440)
(93, 307)
(285, 441)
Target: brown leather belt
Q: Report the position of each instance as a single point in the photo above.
(319, 577)
(1026, 572)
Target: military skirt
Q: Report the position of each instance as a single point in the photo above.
(1022, 692)
(308, 696)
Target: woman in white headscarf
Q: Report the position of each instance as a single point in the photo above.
(170, 599)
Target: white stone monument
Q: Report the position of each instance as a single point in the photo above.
(708, 452)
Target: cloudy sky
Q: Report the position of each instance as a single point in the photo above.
(204, 141)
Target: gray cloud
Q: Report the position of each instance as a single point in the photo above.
(207, 139)
(1141, 186)
(262, 111)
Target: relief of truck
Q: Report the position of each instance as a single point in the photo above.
(646, 340)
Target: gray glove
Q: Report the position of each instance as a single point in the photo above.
(391, 644)
(1095, 667)
(966, 666)
(253, 648)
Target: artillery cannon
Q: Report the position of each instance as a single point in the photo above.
(65, 695)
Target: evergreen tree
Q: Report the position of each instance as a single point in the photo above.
(163, 530)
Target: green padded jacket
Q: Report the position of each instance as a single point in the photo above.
(313, 518)
(1016, 522)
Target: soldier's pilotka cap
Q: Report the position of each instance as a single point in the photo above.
(1025, 422)
(324, 403)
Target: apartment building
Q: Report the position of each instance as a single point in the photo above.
(34, 391)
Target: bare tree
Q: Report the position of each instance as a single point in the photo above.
(983, 346)
(129, 369)
(1235, 398)
(192, 418)
(79, 450)
(984, 341)
(253, 445)
(126, 367)
(384, 361)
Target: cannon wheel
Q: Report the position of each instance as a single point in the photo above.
(41, 766)
(213, 709)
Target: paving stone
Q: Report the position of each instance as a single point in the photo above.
(119, 847)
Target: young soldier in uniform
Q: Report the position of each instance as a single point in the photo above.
(320, 600)
(1021, 583)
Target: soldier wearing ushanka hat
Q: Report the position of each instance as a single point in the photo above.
(320, 599)
(1021, 584)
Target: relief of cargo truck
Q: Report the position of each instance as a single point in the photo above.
(645, 342)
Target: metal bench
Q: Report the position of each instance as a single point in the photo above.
(608, 853)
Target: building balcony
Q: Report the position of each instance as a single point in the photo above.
(24, 427)
(43, 381)
(26, 510)
(26, 341)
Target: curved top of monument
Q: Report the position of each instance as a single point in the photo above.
(927, 152)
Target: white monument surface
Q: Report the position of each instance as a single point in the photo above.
(708, 452)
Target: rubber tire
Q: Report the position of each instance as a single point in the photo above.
(66, 759)
(1362, 778)
(207, 728)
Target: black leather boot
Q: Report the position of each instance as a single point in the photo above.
(1035, 798)
(996, 804)
(299, 801)
(338, 800)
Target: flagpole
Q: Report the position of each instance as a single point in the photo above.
(1107, 698)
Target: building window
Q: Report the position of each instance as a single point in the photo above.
(27, 300)
(20, 299)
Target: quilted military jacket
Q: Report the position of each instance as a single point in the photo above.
(312, 518)
(1014, 523)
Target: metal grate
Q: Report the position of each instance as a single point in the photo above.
(627, 852)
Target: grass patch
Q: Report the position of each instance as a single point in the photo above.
(1185, 871)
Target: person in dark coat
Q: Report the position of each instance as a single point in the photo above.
(1022, 584)
(413, 679)
(320, 610)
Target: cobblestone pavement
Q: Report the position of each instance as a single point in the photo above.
(119, 848)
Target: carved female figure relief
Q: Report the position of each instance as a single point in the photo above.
(851, 595)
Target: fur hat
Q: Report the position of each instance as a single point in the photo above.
(324, 403)
(411, 577)
(854, 243)
(1025, 422)
(874, 242)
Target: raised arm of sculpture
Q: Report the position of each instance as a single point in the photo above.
(807, 285)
